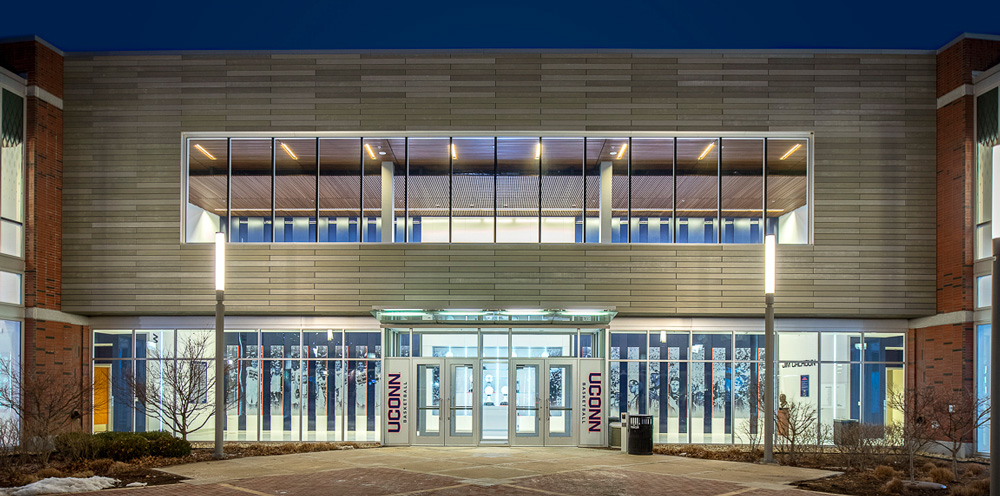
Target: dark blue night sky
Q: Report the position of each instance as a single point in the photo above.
(451, 24)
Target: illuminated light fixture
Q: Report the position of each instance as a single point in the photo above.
(622, 151)
(769, 264)
(525, 312)
(289, 151)
(368, 148)
(220, 261)
(663, 337)
(454, 154)
(205, 152)
(329, 334)
(402, 310)
(462, 312)
(706, 150)
(404, 314)
(790, 152)
(538, 151)
(584, 312)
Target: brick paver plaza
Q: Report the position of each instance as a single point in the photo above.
(458, 471)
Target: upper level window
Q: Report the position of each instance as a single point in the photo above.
(503, 189)
(11, 174)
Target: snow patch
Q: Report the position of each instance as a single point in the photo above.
(57, 485)
(136, 484)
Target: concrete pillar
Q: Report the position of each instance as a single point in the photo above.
(388, 168)
(605, 202)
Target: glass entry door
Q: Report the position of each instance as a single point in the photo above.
(543, 411)
(461, 403)
(429, 418)
(445, 402)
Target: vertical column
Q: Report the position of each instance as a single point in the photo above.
(387, 202)
(605, 201)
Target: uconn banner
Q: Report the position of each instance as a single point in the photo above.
(397, 428)
(592, 398)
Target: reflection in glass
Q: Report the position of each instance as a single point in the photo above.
(560, 401)
(742, 190)
(496, 399)
(363, 400)
(652, 188)
(527, 401)
(787, 206)
(562, 190)
(461, 400)
(473, 192)
(518, 189)
(428, 400)
(697, 190)
(339, 190)
(295, 190)
(428, 190)
(208, 178)
(251, 191)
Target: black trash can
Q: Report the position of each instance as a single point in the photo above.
(640, 434)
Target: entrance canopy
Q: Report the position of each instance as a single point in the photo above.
(392, 317)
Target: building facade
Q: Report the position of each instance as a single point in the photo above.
(503, 247)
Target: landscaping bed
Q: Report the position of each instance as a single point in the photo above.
(889, 476)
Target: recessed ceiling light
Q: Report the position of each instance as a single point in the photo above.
(368, 148)
(381, 153)
(538, 151)
(707, 149)
(454, 154)
(205, 152)
(790, 152)
(622, 151)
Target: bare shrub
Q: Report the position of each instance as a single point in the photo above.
(941, 475)
(895, 486)
(958, 413)
(101, 465)
(915, 432)
(797, 431)
(179, 392)
(927, 467)
(43, 405)
(119, 468)
(884, 472)
(47, 472)
(863, 446)
(974, 470)
(84, 474)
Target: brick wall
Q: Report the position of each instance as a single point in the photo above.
(55, 350)
(42, 66)
(955, 226)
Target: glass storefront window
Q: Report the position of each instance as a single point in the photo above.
(495, 189)
(652, 190)
(562, 190)
(250, 191)
(339, 190)
(429, 189)
(295, 190)
(982, 378)
(787, 190)
(11, 174)
(473, 190)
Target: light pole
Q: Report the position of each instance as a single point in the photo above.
(769, 349)
(220, 317)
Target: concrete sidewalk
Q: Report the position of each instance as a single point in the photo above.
(514, 471)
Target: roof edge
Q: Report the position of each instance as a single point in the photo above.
(972, 36)
(504, 50)
(32, 37)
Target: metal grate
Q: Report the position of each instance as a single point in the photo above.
(986, 118)
(13, 120)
